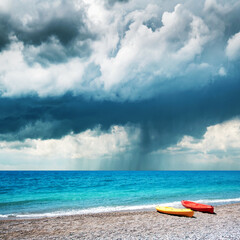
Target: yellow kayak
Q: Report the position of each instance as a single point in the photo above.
(176, 211)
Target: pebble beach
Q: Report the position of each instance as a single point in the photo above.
(224, 224)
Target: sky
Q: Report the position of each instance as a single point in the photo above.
(119, 85)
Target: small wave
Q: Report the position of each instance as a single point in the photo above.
(89, 211)
(218, 201)
(115, 209)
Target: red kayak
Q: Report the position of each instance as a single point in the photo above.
(198, 206)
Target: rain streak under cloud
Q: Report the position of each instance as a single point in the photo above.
(119, 84)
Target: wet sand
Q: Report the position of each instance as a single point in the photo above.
(225, 224)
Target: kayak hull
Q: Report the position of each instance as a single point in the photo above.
(175, 211)
(198, 206)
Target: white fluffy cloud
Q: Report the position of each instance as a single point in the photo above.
(233, 47)
(217, 149)
(90, 146)
(219, 137)
(220, 145)
(135, 47)
(162, 53)
(18, 78)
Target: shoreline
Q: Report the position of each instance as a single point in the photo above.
(101, 210)
(145, 224)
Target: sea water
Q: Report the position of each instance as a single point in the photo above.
(32, 194)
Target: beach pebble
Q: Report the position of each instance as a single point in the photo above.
(129, 225)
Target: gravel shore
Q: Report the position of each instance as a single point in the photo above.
(225, 224)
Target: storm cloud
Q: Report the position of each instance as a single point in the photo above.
(162, 120)
(134, 50)
(45, 28)
(156, 70)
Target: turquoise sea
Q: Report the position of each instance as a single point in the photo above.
(32, 194)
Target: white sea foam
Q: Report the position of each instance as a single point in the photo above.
(218, 201)
(90, 211)
(116, 209)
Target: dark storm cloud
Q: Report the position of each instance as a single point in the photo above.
(163, 120)
(4, 31)
(60, 33)
(112, 2)
(54, 52)
(65, 30)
